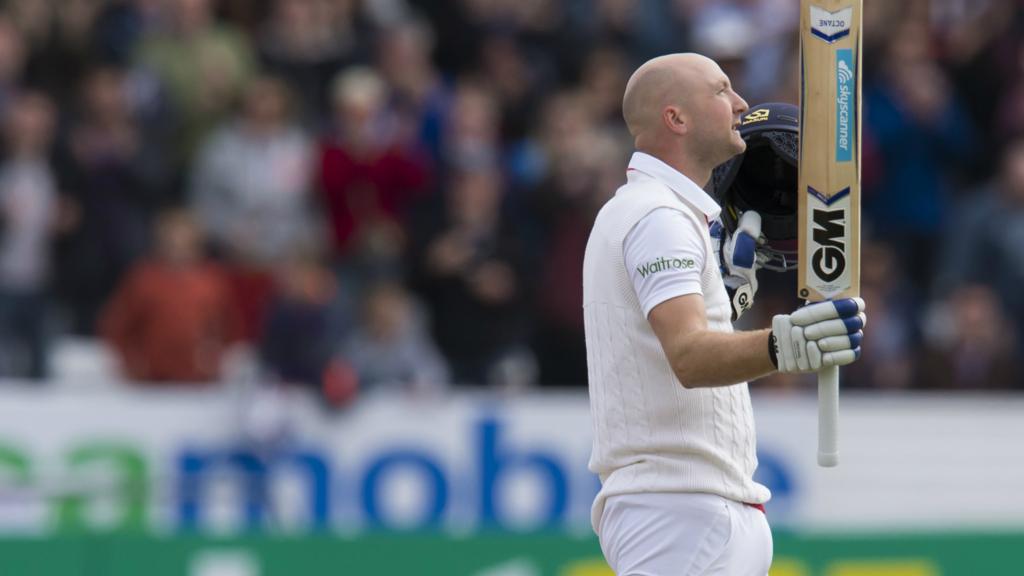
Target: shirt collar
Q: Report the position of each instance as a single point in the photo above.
(683, 187)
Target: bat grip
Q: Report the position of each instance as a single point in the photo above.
(828, 417)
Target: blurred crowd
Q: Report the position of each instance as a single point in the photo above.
(365, 195)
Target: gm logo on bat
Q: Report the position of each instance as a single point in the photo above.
(828, 224)
(829, 259)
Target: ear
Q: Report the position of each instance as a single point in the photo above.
(675, 120)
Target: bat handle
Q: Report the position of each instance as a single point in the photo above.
(828, 417)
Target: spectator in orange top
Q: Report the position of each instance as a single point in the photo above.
(172, 316)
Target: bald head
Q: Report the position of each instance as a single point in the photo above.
(681, 108)
(660, 82)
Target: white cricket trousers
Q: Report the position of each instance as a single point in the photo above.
(684, 534)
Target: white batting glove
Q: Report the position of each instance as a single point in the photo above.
(818, 335)
(739, 260)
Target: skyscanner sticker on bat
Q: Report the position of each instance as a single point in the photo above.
(830, 26)
(846, 93)
(829, 237)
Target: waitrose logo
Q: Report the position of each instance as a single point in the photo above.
(662, 264)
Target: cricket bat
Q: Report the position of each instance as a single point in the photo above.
(829, 180)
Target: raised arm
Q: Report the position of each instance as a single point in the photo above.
(822, 334)
(701, 357)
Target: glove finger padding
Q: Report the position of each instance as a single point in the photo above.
(837, 343)
(841, 358)
(827, 310)
(814, 356)
(750, 223)
(744, 241)
(744, 251)
(837, 327)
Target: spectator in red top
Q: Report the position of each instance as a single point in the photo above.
(172, 317)
(366, 178)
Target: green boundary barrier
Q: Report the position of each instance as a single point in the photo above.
(993, 554)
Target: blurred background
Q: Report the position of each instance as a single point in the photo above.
(294, 286)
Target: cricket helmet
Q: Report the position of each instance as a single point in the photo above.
(764, 179)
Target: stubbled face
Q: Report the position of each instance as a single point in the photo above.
(715, 109)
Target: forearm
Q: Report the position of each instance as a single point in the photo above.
(704, 358)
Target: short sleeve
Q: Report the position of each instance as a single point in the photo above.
(664, 255)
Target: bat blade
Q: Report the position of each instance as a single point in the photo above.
(829, 175)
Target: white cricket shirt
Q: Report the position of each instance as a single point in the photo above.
(649, 243)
